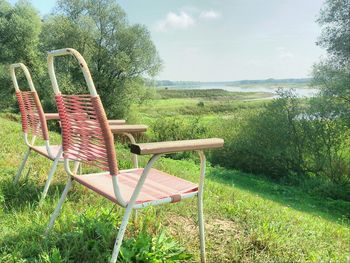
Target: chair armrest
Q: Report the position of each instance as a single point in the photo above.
(116, 122)
(118, 129)
(51, 116)
(176, 146)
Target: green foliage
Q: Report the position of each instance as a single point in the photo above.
(177, 128)
(335, 84)
(20, 27)
(156, 249)
(335, 21)
(333, 73)
(282, 138)
(118, 54)
(257, 219)
(200, 104)
(266, 142)
(209, 94)
(287, 137)
(248, 218)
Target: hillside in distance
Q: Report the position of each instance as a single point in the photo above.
(272, 81)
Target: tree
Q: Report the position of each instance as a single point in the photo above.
(335, 21)
(119, 54)
(333, 73)
(20, 26)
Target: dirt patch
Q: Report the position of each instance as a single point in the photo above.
(220, 235)
(213, 226)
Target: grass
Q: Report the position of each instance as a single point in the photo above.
(211, 94)
(248, 218)
(196, 106)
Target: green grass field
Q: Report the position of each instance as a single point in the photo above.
(211, 94)
(248, 218)
(196, 106)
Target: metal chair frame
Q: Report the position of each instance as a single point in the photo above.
(55, 158)
(30, 143)
(130, 205)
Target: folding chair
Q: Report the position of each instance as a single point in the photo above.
(87, 139)
(34, 124)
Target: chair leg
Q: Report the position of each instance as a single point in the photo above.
(59, 205)
(129, 207)
(200, 206)
(20, 169)
(121, 232)
(49, 178)
(201, 227)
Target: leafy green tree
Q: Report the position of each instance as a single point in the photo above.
(335, 21)
(119, 55)
(333, 73)
(289, 136)
(20, 26)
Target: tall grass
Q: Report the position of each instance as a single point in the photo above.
(248, 218)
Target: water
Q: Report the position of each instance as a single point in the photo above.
(300, 92)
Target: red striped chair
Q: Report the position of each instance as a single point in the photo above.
(87, 139)
(34, 124)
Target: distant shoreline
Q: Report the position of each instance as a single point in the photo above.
(301, 89)
(188, 84)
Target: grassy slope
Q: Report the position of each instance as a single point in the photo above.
(248, 218)
(211, 94)
(189, 107)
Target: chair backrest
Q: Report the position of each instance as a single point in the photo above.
(86, 135)
(32, 114)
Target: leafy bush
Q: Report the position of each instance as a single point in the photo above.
(176, 128)
(287, 137)
(92, 237)
(147, 248)
(167, 129)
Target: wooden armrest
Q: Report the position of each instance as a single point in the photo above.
(116, 122)
(51, 116)
(127, 128)
(176, 146)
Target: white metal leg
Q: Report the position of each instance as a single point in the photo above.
(121, 232)
(51, 173)
(20, 169)
(59, 205)
(200, 207)
(130, 206)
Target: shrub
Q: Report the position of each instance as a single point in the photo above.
(289, 136)
(147, 248)
(177, 128)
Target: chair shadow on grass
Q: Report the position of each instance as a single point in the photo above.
(329, 209)
(26, 192)
(83, 237)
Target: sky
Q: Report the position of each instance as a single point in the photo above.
(225, 40)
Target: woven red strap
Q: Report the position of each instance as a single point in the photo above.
(32, 114)
(85, 132)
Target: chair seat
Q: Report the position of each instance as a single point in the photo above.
(158, 185)
(43, 151)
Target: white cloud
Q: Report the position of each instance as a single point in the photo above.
(284, 53)
(210, 14)
(175, 21)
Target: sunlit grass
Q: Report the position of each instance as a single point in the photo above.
(248, 218)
